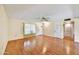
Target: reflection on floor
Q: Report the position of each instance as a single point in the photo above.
(42, 45)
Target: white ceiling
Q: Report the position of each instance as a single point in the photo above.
(32, 11)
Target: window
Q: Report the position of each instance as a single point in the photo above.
(29, 29)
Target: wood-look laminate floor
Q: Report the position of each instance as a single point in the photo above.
(42, 45)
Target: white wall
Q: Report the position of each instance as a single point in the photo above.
(58, 29)
(76, 29)
(3, 29)
(15, 29)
